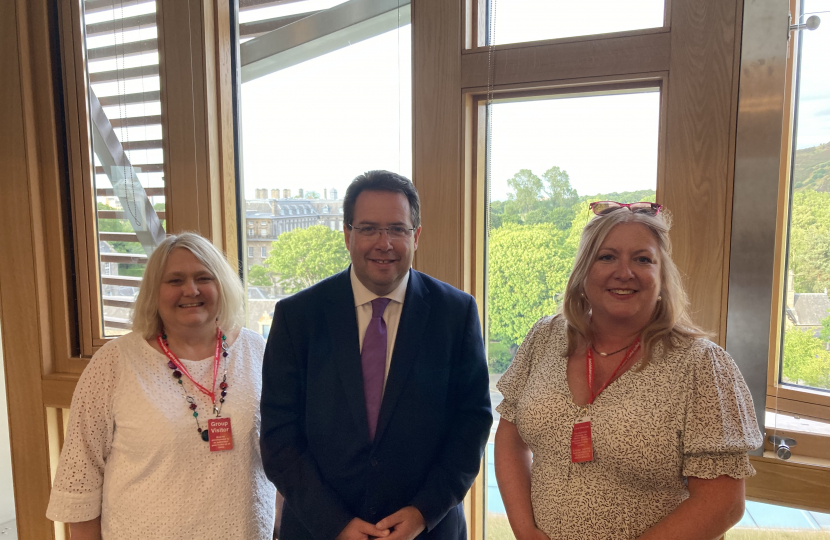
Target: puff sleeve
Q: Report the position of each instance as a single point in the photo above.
(514, 380)
(720, 424)
(77, 489)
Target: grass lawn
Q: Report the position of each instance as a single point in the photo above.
(499, 529)
(766, 534)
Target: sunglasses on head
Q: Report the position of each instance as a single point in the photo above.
(601, 208)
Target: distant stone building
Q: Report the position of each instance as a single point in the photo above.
(805, 311)
(808, 310)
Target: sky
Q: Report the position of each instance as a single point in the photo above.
(814, 94)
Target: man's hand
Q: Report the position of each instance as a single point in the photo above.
(406, 523)
(357, 529)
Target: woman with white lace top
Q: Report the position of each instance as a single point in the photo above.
(619, 420)
(163, 436)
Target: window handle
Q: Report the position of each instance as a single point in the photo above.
(782, 446)
(813, 22)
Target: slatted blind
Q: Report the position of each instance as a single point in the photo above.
(122, 60)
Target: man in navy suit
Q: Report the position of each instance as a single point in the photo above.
(375, 398)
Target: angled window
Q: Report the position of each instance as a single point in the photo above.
(126, 169)
(362, 49)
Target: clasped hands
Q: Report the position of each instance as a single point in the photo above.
(405, 524)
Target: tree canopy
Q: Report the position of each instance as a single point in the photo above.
(259, 276)
(302, 257)
(806, 359)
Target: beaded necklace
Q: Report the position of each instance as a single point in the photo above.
(179, 369)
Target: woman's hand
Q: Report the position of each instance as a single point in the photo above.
(86, 530)
(513, 459)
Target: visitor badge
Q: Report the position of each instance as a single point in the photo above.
(220, 434)
(582, 448)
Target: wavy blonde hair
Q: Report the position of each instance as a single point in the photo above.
(670, 324)
(146, 319)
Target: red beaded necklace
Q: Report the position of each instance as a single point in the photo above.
(179, 369)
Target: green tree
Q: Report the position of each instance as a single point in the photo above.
(499, 356)
(302, 257)
(528, 269)
(259, 276)
(310, 195)
(806, 361)
(527, 188)
(558, 188)
(809, 257)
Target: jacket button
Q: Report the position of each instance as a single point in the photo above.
(373, 511)
(374, 462)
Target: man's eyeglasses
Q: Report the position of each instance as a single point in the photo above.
(396, 232)
(601, 208)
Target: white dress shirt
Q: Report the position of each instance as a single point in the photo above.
(391, 315)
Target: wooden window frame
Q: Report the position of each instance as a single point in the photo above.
(783, 397)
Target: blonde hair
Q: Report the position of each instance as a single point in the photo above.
(146, 319)
(670, 324)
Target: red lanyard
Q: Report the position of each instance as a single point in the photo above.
(209, 393)
(589, 361)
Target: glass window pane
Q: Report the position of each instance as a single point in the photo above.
(125, 122)
(307, 131)
(519, 21)
(548, 159)
(806, 319)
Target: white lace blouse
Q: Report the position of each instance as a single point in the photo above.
(687, 413)
(133, 455)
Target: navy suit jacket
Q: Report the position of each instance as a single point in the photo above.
(434, 419)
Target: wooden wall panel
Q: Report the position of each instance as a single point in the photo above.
(698, 144)
(186, 168)
(21, 287)
(437, 137)
(225, 137)
(197, 116)
(792, 484)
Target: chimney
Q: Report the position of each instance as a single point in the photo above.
(301, 192)
(286, 194)
(275, 194)
(333, 194)
(325, 194)
(262, 193)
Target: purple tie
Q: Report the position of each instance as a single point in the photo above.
(373, 362)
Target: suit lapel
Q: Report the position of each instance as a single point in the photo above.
(342, 323)
(411, 329)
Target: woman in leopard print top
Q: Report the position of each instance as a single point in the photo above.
(619, 420)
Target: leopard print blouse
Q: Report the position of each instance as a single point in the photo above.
(687, 413)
